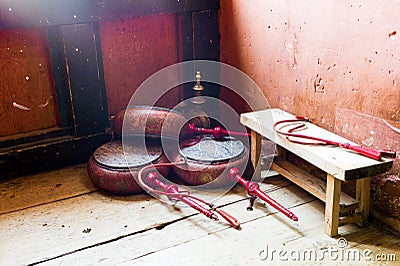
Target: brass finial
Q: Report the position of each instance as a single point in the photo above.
(200, 118)
(198, 88)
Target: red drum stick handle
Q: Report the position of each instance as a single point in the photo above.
(253, 189)
(371, 153)
(153, 180)
(229, 218)
(217, 132)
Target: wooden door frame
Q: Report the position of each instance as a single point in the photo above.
(83, 113)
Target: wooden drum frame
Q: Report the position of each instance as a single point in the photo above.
(109, 170)
(208, 161)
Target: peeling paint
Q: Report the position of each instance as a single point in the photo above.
(43, 105)
(368, 142)
(319, 85)
(291, 48)
(395, 129)
(377, 133)
(331, 67)
(392, 35)
(20, 106)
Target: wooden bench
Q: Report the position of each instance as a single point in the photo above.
(340, 165)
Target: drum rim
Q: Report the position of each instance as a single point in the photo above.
(218, 161)
(157, 108)
(126, 167)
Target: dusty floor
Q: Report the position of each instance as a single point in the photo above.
(59, 218)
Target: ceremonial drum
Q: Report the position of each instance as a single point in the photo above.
(207, 161)
(150, 121)
(111, 169)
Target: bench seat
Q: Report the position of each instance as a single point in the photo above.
(339, 164)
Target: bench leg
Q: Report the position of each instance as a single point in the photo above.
(282, 154)
(332, 205)
(363, 197)
(255, 141)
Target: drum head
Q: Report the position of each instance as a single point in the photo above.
(209, 150)
(112, 155)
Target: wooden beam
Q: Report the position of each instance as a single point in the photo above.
(85, 78)
(332, 205)
(21, 139)
(312, 184)
(28, 191)
(363, 196)
(255, 142)
(187, 51)
(200, 41)
(206, 44)
(49, 154)
(60, 76)
(33, 13)
(350, 219)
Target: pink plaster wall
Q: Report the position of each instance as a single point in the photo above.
(337, 62)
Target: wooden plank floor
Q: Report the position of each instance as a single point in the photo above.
(59, 218)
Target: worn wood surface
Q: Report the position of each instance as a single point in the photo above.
(26, 90)
(312, 184)
(133, 50)
(48, 154)
(363, 189)
(354, 218)
(196, 241)
(85, 78)
(332, 205)
(24, 192)
(58, 59)
(141, 36)
(94, 218)
(255, 147)
(50, 13)
(206, 46)
(98, 228)
(200, 39)
(342, 164)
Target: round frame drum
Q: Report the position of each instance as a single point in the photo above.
(114, 169)
(150, 121)
(209, 160)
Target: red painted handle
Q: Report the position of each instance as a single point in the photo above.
(253, 189)
(231, 220)
(371, 153)
(273, 203)
(388, 153)
(217, 132)
(368, 152)
(152, 179)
